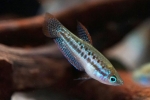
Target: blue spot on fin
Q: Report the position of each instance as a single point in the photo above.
(67, 53)
(83, 33)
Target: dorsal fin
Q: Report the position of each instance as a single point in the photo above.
(83, 33)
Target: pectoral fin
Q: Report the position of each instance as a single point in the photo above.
(83, 33)
(83, 78)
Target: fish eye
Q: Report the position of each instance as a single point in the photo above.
(113, 79)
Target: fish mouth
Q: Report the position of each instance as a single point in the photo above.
(120, 83)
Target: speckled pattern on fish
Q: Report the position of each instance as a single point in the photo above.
(80, 52)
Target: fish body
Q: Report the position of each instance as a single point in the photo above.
(142, 75)
(80, 52)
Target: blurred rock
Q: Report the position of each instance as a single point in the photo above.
(6, 81)
(133, 50)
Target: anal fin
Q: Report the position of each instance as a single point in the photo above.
(67, 53)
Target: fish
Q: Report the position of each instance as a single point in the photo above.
(80, 52)
(142, 75)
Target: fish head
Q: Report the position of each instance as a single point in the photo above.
(114, 78)
(109, 77)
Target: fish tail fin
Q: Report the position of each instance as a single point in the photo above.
(51, 26)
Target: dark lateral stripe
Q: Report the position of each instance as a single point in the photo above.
(98, 69)
(82, 54)
(85, 56)
(89, 60)
(73, 45)
(78, 50)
